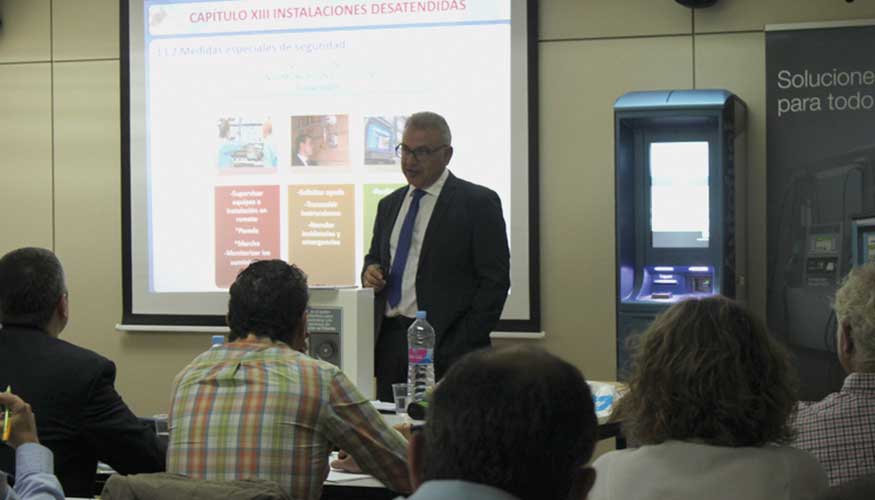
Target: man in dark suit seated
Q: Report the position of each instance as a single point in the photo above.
(81, 417)
(439, 245)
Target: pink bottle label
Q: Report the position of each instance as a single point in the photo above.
(419, 356)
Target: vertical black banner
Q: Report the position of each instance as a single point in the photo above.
(820, 92)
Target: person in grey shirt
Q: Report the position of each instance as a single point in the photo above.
(34, 478)
(506, 424)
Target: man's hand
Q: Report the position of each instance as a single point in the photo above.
(405, 429)
(346, 463)
(374, 278)
(21, 420)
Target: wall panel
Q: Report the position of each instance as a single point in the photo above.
(85, 29)
(25, 34)
(25, 156)
(611, 18)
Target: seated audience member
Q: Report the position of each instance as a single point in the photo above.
(709, 401)
(506, 424)
(840, 430)
(81, 417)
(259, 408)
(33, 475)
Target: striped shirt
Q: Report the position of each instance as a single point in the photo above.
(840, 429)
(254, 410)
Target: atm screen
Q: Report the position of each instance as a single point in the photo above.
(868, 247)
(679, 207)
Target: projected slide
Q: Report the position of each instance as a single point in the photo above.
(267, 129)
(679, 208)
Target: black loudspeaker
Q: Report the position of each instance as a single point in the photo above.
(325, 346)
(696, 4)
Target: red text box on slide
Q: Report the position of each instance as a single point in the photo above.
(247, 228)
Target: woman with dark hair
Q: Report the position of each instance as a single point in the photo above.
(709, 401)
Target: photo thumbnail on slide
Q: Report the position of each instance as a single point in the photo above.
(382, 134)
(245, 144)
(320, 141)
(247, 228)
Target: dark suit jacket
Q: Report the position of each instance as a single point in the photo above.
(297, 162)
(79, 415)
(464, 266)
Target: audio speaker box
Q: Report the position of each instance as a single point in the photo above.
(325, 346)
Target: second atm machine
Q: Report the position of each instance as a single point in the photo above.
(679, 204)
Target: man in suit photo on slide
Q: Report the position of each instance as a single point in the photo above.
(439, 245)
(80, 416)
(303, 152)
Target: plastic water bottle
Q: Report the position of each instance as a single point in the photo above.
(420, 358)
(217, 341)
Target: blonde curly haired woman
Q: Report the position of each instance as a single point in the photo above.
(709, 402)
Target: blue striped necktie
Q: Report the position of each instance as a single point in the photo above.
(399, 260)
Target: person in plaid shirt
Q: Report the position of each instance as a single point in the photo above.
(258, 407)
(840, 430)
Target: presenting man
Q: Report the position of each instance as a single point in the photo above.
(838, 430)
(81, 417)
(439, 245)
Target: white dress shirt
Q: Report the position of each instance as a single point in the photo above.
(407, 306)
(34, 475)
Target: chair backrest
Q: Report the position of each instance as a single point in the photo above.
(166, 486)
(862, 488)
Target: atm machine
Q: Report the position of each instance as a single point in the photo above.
(863, 239)
(679, 181)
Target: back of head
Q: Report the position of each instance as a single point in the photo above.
(517, 419)
(31, 284)
(855, 304)
(708, 370)
(268, 298)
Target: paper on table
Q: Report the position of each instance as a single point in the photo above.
(339, 476)
(336, 476)
(384, 406)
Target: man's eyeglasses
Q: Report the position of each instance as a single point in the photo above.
(420, 153)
